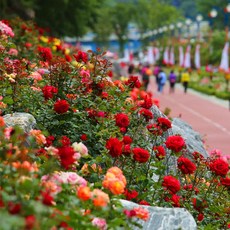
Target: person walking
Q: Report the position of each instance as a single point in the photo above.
(185, 79)
(162, 78)
(131, 69)
(146, 72)
(172, 81)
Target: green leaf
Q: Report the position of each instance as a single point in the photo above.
(8, 100)
(9, 90)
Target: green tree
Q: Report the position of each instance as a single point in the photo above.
(205, 6)
(67, 17)
(63, 17)
(121, 16)
(152, 14)
(21, 8)
(211, 52)
(103, 27)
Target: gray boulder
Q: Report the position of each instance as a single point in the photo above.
(164, 218)
(192, 138)
(24, 120)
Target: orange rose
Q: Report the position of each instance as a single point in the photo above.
(84, 193)
(37, 134)
(2, 123)
(115, 181)
(117, 187)
(100, 199)
(141, 213)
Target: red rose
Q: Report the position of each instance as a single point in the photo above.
(29, 222)
(28, 45)
(1, 202)
(164, 123)
(68, 58)
(81, 56)
(144, 202)
(65, 141)
(45, 53)
(185, 165)
(219, 167)
(49, 140)
(148, 102)
(84, 137)
(140, 155)
(114, 146)
(200, 217)
(126, 150)
(14, 208)
(110, 73)
(154, 129)
(133, 81)
(66, 154)
(146, 113)
(104, 95)
(49, 91)
(175, 143)
(225, 181)
(160, 152)
(171, 183)
(127, 140)
(123, 129)
(174, 200)
(130, 195)
(197, 156)
(47, 199)
(61, 106)
(122, 120)
(130, 213)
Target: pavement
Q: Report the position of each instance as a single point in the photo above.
(207, 115)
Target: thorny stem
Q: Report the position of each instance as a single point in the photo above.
(151, 156)
(131, 175)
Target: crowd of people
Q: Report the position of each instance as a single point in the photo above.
(161, 75)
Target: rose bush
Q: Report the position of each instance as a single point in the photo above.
(96, 140)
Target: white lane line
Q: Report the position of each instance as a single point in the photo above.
(223, 129)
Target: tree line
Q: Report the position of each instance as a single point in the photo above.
(75, 18)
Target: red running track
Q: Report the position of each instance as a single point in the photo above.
(207, 116)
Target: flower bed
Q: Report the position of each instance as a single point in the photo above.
(96, 140)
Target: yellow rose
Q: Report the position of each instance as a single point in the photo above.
(44, 39)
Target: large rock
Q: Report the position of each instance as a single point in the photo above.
(24, 120)
(164, 218)
(192, 138)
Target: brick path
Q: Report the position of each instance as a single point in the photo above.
(208, 116)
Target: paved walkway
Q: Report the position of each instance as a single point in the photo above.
(206, 114)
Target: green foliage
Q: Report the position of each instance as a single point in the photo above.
(205, 6)
(70, 18)
(212, 50)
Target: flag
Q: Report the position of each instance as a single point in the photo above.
(181, 56)
(131, 56)
(166, 56)
(156, 53)
(150, 55)
(224, 66)
(171, 57)
(128, 56)
(187, 57)
(197, 57)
